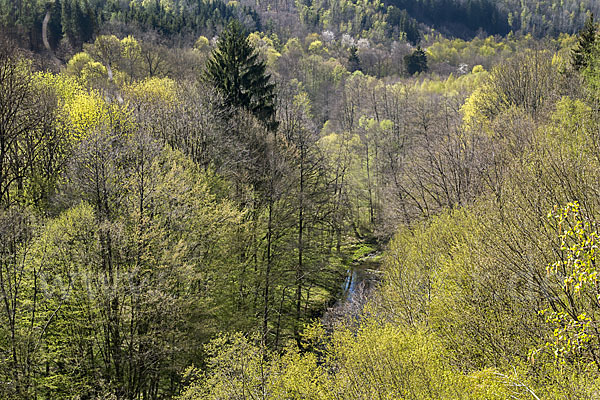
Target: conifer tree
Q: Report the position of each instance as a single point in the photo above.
(240, 76)
(353, 60)
(416, 62)
(586, 42)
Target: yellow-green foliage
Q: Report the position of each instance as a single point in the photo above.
(310, 38)
(474, 108)
(108, 59)
(486, 299)
(186, 231)
(458, 51)
(574, 333)
(572, 121)
(202, 44)
(376, 361)
(87, 112)
(241, 368)
(346, 150)
(64, 253)
(66, 243)
(453, 86)
(447, 276)
(237, 369)
(591, 72)
(130, 47)
(478, 277)
(66, 88)
(265, 47)
(386, 362)
(78, 62)
(129, 64)
(292, 45)
(153, 90)
(566, 41)
(477, 69)
(515, 83)
(81, 111)
(87, 70)
(414, 259)
(316, 47)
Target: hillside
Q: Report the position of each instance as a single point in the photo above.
(78, 21)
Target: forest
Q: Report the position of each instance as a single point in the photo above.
(345, 199)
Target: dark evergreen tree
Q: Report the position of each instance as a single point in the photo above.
(240, 76)
(586, 42)
(55, 30)
(416, 62)
(353, 60)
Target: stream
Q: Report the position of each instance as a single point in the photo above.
(361, 277)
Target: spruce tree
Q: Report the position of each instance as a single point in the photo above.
(416, 62)
(353, 60)
(240, 76)
(585, 46)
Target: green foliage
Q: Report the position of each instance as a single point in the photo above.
(265, 47)
(579, 241)
(156, 252)
(362, 251)
(78, 21)
(240, 367)
(589, 71)
(402, 365)
(468, 16)
(477, 50)
(91, 72)
(573, 333)
(32, 145)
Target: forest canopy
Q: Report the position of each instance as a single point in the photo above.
(299, 199)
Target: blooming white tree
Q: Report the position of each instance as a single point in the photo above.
(328, 36)
(363, 43)
(347, 40)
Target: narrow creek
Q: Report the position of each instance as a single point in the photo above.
(361, 276)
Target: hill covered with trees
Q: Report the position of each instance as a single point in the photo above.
(70, 23)
(299, 200)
